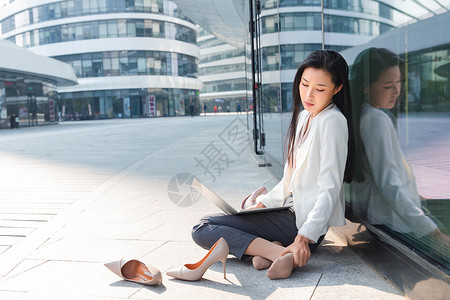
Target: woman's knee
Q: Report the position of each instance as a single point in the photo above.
(204, 222)
(207, 231)
(197, 231)
(200, 232)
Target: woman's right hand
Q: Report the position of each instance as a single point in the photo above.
(257, 205)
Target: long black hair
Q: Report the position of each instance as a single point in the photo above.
(369, 65)
(333, 63)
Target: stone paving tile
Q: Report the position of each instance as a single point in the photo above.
(109, 224)
(15, 231)
(94, 250)
(77, 279)
(25, 217)
(31, 210)
(20, 224)
(8, 240)
(35, 191)
(352, 271)
(348, 291)
(172, 225)
(24, 266)
(3, 248)
(12, 295)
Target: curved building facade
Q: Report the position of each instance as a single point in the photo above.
(222, 70)
(28, 84)
(132, 58)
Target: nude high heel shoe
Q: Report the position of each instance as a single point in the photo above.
(194, 272)
(135, 271)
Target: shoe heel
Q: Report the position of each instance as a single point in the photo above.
(224, 262)
(194, 272)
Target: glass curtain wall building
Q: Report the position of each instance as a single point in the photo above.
(28, 91)
(222, 71)
(400, 190)
(132, 58)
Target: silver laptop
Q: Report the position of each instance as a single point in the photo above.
(224, 206)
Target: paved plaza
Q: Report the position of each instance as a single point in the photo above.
(79, 194)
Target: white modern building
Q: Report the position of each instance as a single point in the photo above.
(28, 84)
(132, 58)
(222, 70)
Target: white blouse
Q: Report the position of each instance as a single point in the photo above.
(316, 180)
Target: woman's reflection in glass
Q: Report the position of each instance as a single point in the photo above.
(384, 190)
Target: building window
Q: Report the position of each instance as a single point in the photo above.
(108, 29)
(124, 63)
(71, 8)
(311, 21)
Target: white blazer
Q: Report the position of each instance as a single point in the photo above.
(317, 178)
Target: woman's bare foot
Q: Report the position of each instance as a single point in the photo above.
(261, 263)
(281, 267)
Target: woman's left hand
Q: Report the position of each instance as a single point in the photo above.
(300, 249)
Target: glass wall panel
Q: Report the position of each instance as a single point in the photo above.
(402, 125)
(401, 96)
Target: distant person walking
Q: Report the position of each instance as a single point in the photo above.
(238, 109)
(205, 108)
(215, 109)
(12, 120)
(192, 110)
